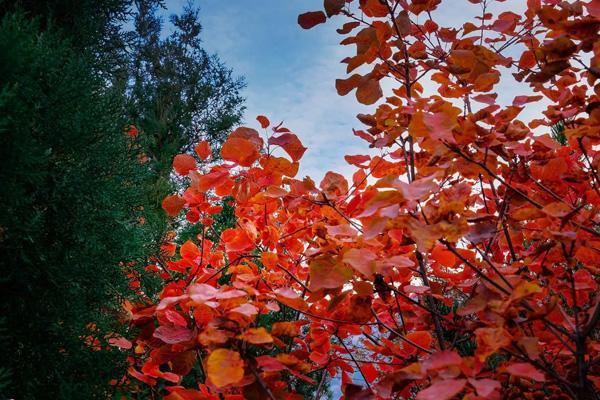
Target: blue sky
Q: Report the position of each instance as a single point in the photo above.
(291, 72)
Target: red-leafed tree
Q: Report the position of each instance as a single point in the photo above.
(461, 262)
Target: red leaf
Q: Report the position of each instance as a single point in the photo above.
(120, 342)
(189, 251)
(290, 143)
(333, 7)
(442, 359)
(348, 27)
(263, 121)
(173, 334)
(520, 100)
(442, 390)
(311, 19)
(176, 318)
(422, 338)
(485, 387)
(357, 160)
(526, 370)
(443, 256)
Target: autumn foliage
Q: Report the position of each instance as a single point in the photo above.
(462, 261)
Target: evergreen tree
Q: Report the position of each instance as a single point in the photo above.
(95, 27)
(177, 94)
(71, 199)
(73, 191)
(70, 192)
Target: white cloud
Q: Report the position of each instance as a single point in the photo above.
(291, 72)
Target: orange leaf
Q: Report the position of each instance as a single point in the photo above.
(280, 165)
(236, 240)
(345, 86)
(490, 340)
(269, 260)
(184, 163)
(326, 273)
(374, 8)
(285, 328)
(225, 367)
(203, 150)
(240, 151)
(173, 205)
(357, 160)
(256, 336)
(438, 125)
(249, 134)
(189, 251)
(362, 260)
(334, 184)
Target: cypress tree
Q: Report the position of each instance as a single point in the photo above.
(71, 202)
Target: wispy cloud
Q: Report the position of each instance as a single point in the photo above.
(291, 72)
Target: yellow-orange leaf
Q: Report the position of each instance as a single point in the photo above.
(256, 336)
(225, 367)
(285, 328)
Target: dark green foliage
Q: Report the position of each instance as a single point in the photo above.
(177, 94)
(70, 195)
(95, 26)
(558, 133)
(72, 191)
